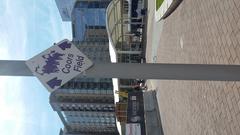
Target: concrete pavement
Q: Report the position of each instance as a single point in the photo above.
(197, 32)
(151, 110)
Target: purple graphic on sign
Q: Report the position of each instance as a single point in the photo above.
(52, 62)
(65, 45)
(54, 82)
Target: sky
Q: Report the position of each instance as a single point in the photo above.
(28, 27)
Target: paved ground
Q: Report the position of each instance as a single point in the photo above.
(205, 33)
(151, 112)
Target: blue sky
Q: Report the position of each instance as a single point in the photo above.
(28, 27)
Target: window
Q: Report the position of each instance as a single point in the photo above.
(125, 7)
(82, 4)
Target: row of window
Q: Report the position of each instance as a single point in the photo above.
(92, 40)
(97, 54)
(91, 129)
(89, 43)
(90, 120)
(129, 58)
(90, 91)
(101, 59)
(85, 100)
(99, 126)
(92, 50)
(88, 114)
(95, 27)
(91, 80)
(87, 108)
(88, 85)
(92, 4)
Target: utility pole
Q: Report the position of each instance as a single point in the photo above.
(140, 71)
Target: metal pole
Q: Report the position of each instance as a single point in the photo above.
(14, 68)
(141, 71)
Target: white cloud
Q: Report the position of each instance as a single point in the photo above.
(13, 37)
(3, 50)
(4, 6)
(60, 31)
(12, 109)
(13, 33)
(56, 28)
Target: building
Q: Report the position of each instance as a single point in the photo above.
(95, 33)
(84, 111)
(64, 132)
(65, 8)
(86, 105)
(96, 51)
(88, 20)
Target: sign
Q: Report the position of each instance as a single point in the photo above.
(133, 129)
(135, 110)
(58, 64)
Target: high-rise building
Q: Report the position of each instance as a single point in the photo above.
(86, 105)
(88, 20)
(84, 111)
(64, 132)
(65, 8)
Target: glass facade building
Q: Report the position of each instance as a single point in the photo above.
(85, 113)
(88, 15)
(86, 105)
(65, 8)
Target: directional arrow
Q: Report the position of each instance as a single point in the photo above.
(54, 83)
(65, 45)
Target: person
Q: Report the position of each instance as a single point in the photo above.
(140, 81)
(137, 87)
